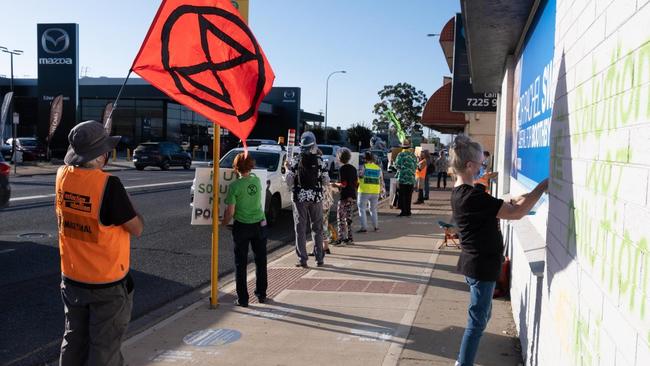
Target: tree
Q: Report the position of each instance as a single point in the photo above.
(359, 133)
(405, 100)
(319, 132)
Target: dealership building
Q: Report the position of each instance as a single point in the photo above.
(143, 113)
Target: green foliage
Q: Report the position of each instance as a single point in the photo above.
(333, 134)
(406, 102)
(359, 133)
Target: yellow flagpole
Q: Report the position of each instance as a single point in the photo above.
(242, 6)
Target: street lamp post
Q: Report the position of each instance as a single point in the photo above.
(11, 109)
(327, 83)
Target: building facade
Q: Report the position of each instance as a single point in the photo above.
(573, 79)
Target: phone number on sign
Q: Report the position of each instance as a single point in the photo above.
(481, 102)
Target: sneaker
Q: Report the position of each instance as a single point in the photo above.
(237, 303)
(362, 231)
(337, 243)
(320, 264)
(261, 299)
(348, 241)
(301, 264)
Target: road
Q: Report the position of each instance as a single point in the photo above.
(171, 259)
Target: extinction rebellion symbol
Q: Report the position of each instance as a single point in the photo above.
(207, 76)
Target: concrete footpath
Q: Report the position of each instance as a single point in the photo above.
(392, 298)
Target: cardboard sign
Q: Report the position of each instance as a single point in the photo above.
(204, 192)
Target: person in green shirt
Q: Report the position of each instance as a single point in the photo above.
(406, 164)
(244, 204)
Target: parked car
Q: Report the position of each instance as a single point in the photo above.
(329, 157)
(270, 158)
(5, 151)
(31, 148)
(162, 155)
(5, 188)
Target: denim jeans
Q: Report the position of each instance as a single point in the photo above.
(479, 311)
(426, 186)
(364, 198)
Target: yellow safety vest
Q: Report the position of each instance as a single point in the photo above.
(370, 183)
(90, 252)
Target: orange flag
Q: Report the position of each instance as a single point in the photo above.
(202, 54)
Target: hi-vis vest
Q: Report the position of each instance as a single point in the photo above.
(370, 183)
(421, 173)
(90, 252)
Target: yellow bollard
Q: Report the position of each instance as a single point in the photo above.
(114, 155)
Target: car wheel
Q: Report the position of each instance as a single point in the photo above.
(275, 207)
(139, 167)
(165, 165)
(187, 165)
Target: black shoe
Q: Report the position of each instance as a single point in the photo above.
(312, 254)
(320, 264)
(327, 251)
(261, 299)
(376, 229)
(362, 231)
(237, 303)
(348, 242)
(301, 264)
(337, 243)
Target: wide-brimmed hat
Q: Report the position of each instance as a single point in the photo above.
(88, 140)
(405, 143)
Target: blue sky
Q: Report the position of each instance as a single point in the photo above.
(378, 42)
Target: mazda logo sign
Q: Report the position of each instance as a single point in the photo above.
(289, 94)
(55, 40)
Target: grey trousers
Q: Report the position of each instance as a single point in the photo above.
(303, 213)
(95, 323)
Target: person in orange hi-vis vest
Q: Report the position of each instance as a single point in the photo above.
(96, 219)
(421, 174)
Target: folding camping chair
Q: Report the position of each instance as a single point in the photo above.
(451, 235)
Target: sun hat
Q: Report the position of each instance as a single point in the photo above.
(405, 143)
(88, 140)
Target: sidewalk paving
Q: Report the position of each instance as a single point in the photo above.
(392, 298)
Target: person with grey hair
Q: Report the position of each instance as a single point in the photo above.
(476, 214)
(306, 177)
(347, 185)
(96, 219)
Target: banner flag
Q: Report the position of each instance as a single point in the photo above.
(107, 118)
(56, 112)
(202, 54)
(4, 112)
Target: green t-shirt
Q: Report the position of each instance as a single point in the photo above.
(246, 194)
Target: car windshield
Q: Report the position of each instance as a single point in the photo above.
(148, 147)
(263, 160)
(28, 142)
(327, 150)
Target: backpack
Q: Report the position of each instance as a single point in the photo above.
(308, 172)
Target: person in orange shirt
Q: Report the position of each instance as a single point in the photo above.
(420, 175)
(96, 220)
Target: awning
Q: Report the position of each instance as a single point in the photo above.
(447, 42)
(492, 31)
(437, 115)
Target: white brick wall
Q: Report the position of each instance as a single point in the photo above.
(596, 297)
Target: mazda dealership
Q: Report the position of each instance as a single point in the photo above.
(143, 114)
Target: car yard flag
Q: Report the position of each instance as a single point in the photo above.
(202, 54)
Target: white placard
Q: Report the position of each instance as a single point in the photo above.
(203, 192)
(354, 159)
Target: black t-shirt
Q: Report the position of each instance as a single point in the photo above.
(475, 214)
(349, 179)
(116, 208)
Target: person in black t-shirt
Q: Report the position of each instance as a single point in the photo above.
(476, 214)
(348, 183)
